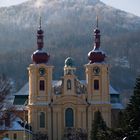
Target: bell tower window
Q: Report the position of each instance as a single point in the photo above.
(42, 85)
(96, 84)
(68, 84)
(69, 117)
(42, 120)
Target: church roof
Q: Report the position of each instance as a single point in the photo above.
(22, 96)
(55, 83)
(112, 90)
(16, 125)
(24, 90)
(117, 106)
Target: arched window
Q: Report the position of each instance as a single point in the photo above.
(42, 120)
(69, 117)
(68, 84)
(42, 85)
(96, 84)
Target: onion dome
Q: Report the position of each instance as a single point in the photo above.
(40, 56)
(96, 55)
(69, 62)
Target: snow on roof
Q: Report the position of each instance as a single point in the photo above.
(15, 126)
(56, 83)
(117, 106)
(21, 107)
(24, 90)
(112, 90)
(5, 139)
(83, 82)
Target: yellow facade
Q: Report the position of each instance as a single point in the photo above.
(16, 135)
(82, 99)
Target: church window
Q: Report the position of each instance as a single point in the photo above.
(96, 84)
(68, 84)
(69, 117)
(42, 85)
(42, 119)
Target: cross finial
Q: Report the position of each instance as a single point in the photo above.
(97, 22)
(40, 23)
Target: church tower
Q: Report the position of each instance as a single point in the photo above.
(97, 80)
(69, 77)
(40, 86)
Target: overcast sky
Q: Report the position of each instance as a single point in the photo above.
(132, 6)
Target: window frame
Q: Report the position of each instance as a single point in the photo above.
(69, 124)
(69, 84)
(42, 124)
(42, 85)
(96, 84)
(15, 136)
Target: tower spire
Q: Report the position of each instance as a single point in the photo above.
(97, 22)
(40, 22)
(40, 36)
(97, 35)
(96, 55)
(40, 56)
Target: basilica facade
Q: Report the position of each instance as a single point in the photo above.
(54, 106)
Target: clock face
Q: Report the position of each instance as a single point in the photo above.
(96, 70)
(42, 71)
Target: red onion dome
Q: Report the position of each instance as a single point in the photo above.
(96, 56)
(40, 31)
(40, 56)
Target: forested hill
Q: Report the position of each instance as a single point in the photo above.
(68, 27)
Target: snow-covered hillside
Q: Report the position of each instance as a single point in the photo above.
(68, 26)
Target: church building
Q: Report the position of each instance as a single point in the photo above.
(54, 106)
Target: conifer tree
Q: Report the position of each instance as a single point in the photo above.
(99, 128)
(132, 113)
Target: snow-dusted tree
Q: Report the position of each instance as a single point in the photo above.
(99, 129)
(5, 109)
(75, 134)
(132, 113)
(40, 136)
(5, 87)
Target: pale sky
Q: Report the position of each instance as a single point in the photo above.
(132, 6)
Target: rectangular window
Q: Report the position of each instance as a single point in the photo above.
(42, 85)
(96, 84)
(6, 135)
(42, 119)
(15, 136)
